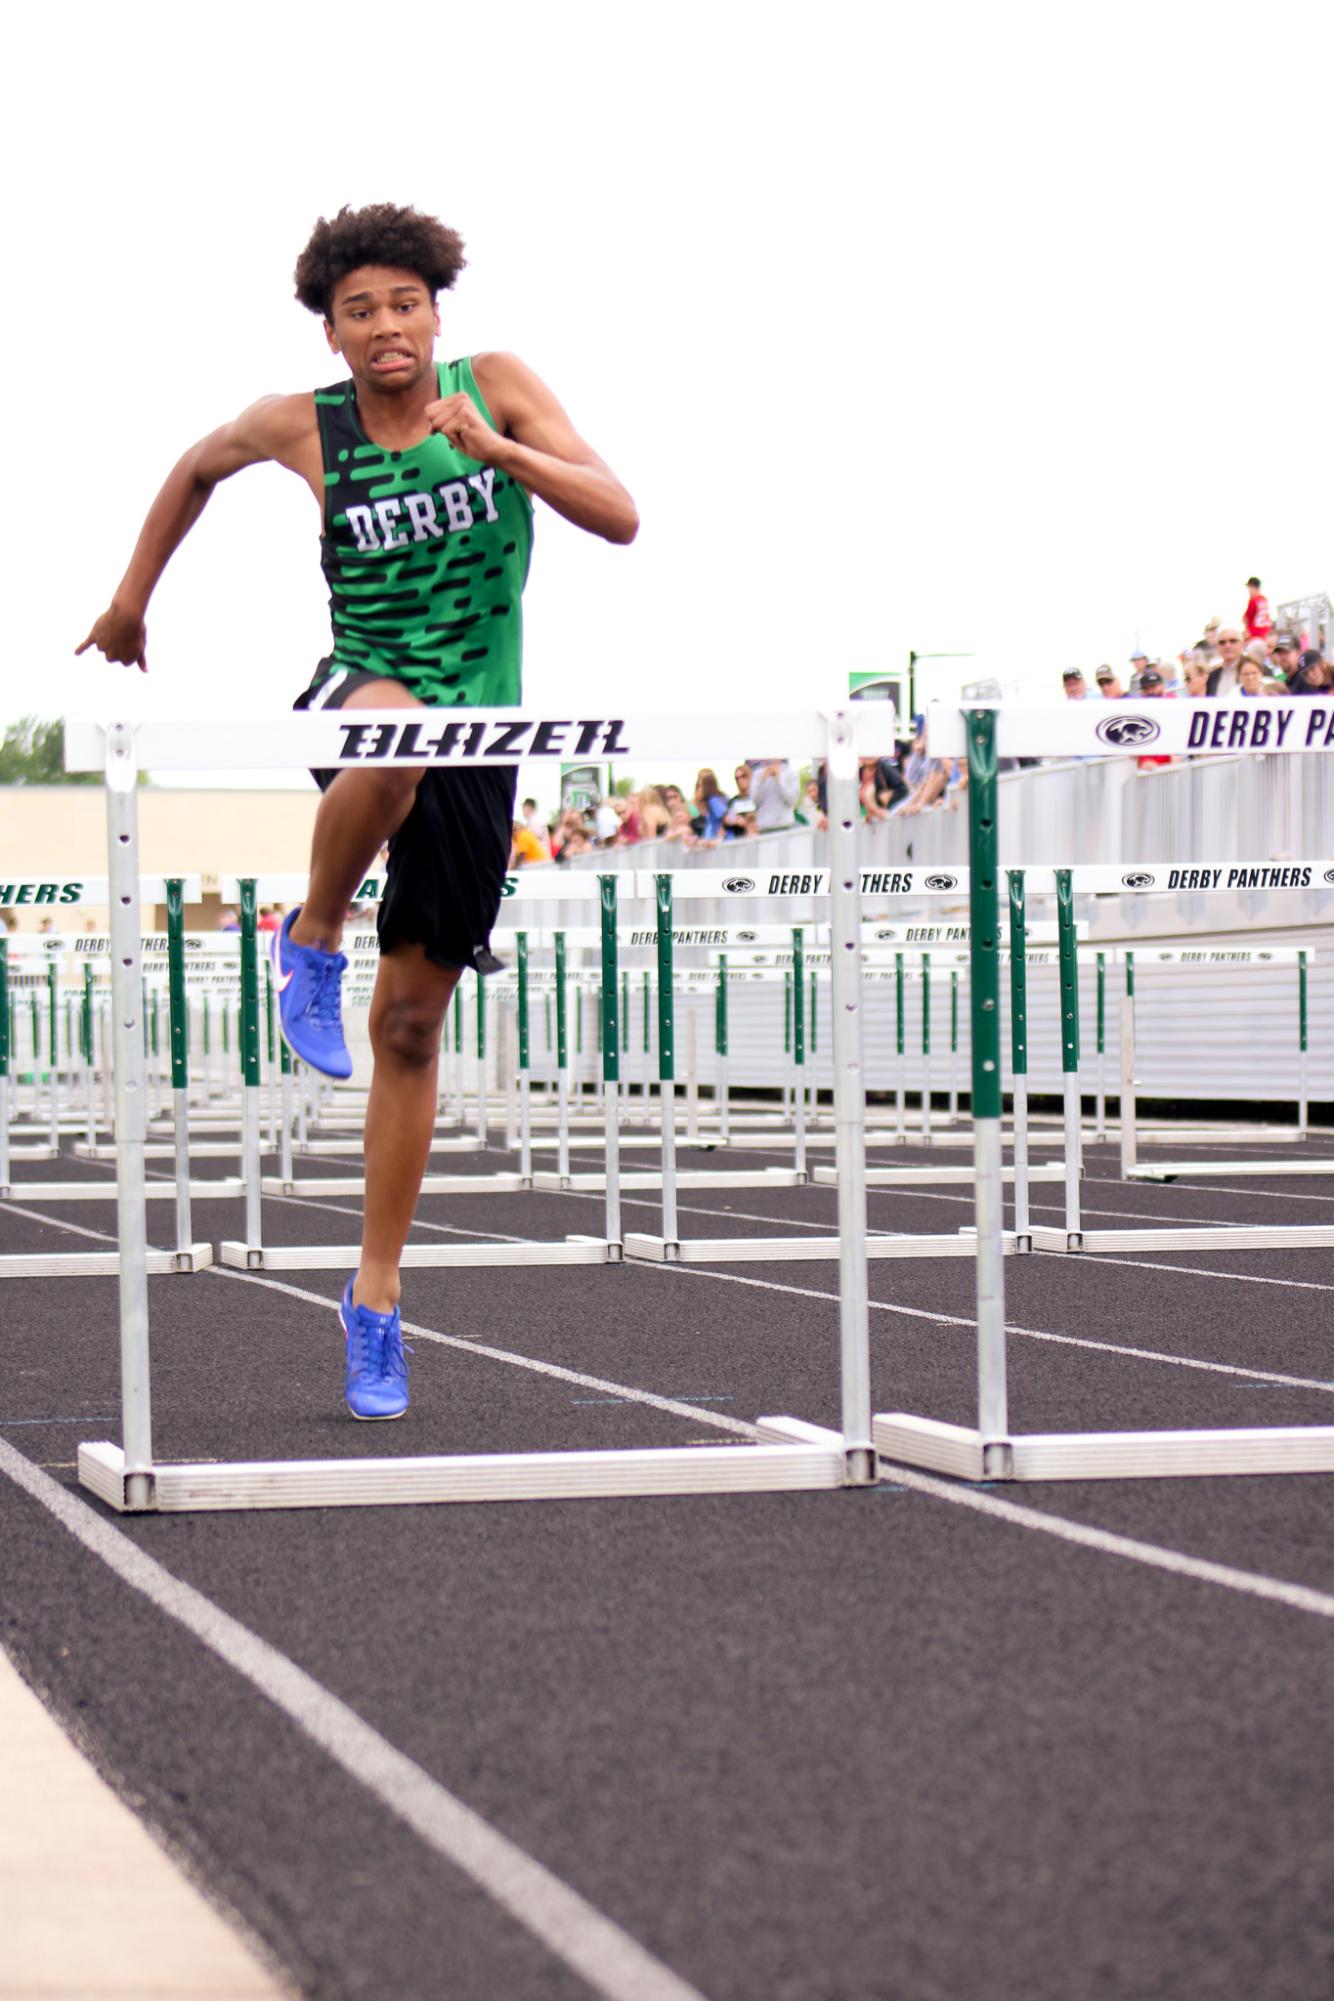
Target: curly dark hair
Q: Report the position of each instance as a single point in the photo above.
(380, 234)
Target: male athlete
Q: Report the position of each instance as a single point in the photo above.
(423, 473)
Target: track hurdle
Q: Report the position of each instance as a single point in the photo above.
(847, 955)
(127, 1476)
(990, 1450)
(122, 894)
(1201, 958)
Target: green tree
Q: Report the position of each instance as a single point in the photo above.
(33, 753)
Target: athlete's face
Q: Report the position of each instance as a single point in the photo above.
(383, 322)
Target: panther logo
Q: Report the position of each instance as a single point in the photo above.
(940, 882)
(1329, 875)
(1138, 879)
(1128, 732)
(746, 937)
(884, 936)
(739, 885)
(1264, 955)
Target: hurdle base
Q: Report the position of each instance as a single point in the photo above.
(432, 1184)
(780, 1467)
(689, 1177)
(1102, 1455)
(340, 1257)
(911, 1177)
(860, 1462)
(1168, 1170)
(230, 1188)
(102, 1264)
(803, 1250)
(1222, 1237)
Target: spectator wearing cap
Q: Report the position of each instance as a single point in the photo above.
(1310, 676)
(1283, 658)
(1137, 661)
(1256, 617)
(1073, 682)
(1226, 677)
(1108, 686)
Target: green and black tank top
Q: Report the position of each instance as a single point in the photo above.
(426, 554)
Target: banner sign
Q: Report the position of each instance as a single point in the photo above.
(61, 892)
(365, 738)
(1163, 727)
(1217, 955)
(694, 884)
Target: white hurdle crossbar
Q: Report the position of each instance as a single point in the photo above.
(790, 1456)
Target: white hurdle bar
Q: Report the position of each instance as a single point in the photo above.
(127, 1476)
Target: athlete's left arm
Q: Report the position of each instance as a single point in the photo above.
(537, 445)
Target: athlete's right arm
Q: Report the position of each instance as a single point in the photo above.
(281, 428)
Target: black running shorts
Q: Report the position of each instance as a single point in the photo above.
(448, 860)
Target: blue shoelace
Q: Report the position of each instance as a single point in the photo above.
(324, 1002)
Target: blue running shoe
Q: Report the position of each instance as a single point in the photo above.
(309, 983)
(376, 1380)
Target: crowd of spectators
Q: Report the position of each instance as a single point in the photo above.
(768, 797)
(1254, 657)
(1251, 658)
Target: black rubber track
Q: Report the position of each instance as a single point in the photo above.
(809, 1746)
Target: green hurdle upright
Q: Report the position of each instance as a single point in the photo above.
(88, 1051)
(954, 1047)
(926, 1046)
(53, 1051)
(799, 1050)
(1069, 970)
(666, 1064)
(248, 1040)
(1303, 1091)
(611, 1065)
(993, 1420)
(483, 1108)
(562, 1070)
(1100, 1101)
(1126, 1120)
(900, 1053)
(524, 1062)
(178, 1029)
(720, 1050)
(1019, 1056)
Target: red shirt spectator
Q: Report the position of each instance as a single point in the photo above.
(1258, 623)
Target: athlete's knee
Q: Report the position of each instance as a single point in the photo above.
(408, 1032)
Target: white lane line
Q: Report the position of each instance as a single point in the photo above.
(55, 1223)
(1117, 1348)
(1253, 1583)
(572, 1930)
(619, 1391)
(1212, 1188)
(1200, 1271)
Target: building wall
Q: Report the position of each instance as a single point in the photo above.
(60, 830)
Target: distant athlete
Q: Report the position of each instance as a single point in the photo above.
(423, 473)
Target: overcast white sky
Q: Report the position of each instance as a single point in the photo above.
(963, 328)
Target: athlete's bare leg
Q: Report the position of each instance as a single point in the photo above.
(407, 1016)
(356, 816)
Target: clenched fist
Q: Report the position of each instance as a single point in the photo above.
(458, 419)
